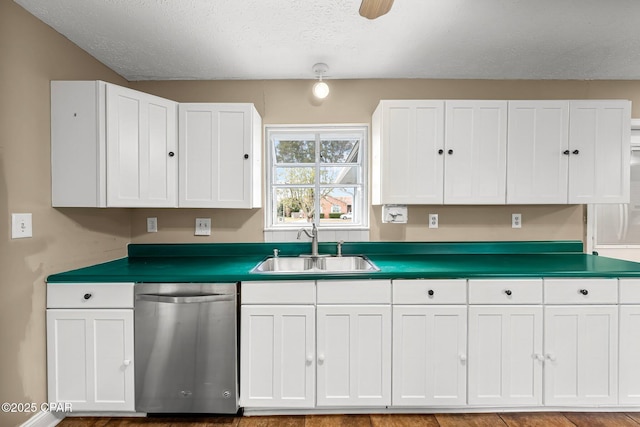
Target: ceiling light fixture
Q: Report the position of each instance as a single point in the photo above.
(320, 89)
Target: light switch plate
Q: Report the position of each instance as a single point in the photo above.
(203, 227)
(21, 225)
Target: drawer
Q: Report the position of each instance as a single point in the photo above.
(497, 291)
(90, 295)
(581, 291)
(629, 291)
(286, 292)
(354, 292)
(430, 291)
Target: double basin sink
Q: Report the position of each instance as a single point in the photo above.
(312, 264)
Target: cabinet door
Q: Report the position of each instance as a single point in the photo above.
(581, 350)
(537, 166)
(216, 158)
(354, 355)
(89, 359)
(505, 355)
(408, 152)
(277, 348)
(599, 143)
(475, 152)
(429, 355)
(141, 149)
(629, 355)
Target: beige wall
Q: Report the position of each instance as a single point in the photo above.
(32, 54)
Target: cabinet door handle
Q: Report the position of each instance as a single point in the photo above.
(566, 152)
(321, 358)
(463, 358)
(309, 358)
(551, 357)
(576, 151)
(430, 292)
(508, 292)
(126, 362)
(87, 296)
(441, 151)
(450, 151)
(171, 154)
(584, 291)
(246, 156)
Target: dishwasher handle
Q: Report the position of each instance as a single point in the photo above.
(185, 299)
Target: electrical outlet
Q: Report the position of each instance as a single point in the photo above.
(152, 225)
(203, 227)
(21, 226)
(516, 220)
(433, 220)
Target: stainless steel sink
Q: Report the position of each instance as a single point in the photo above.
(300, 265)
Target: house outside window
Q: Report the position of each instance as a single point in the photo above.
(316, 174)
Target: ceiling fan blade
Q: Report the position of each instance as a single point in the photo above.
(373, 9)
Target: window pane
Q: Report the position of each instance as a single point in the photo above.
(340, 151)
(339, 175)
(293, 205)
(337, 206)
(293, 175)
(294, 150)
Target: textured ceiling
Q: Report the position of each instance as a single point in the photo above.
(282, 39)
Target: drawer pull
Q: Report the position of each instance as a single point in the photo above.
(584, 292)
(87, 296)
(430, 292)
(508, 292)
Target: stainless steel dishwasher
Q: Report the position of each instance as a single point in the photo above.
(186, 348)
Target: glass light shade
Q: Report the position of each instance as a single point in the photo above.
(320, 90)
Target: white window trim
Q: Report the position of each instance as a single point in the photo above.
(327, 128)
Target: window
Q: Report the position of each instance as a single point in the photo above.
(316, 174)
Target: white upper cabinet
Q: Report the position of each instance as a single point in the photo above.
(497, 152)
(112, 146)
(141, 149)
(538, 152)
(475, 151)
(408, 144)
(599, 145)
(220, 156)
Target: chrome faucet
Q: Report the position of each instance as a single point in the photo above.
(314, 239)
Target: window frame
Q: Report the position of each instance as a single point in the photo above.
(361, 196)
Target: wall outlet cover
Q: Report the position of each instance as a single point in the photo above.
(516, 220)
(433, 220)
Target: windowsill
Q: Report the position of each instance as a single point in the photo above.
(360, 234)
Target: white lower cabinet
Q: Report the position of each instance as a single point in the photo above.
(429, 342)
(429, 355)
(629, 369)
(90, 359)
(581, 342)
(354, 355)
(90, 346)
(278, 351)
(277, 344)
(505, 342)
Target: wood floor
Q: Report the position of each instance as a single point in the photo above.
(547, 419)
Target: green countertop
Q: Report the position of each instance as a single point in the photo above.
(231, 262)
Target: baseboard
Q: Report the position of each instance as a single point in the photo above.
(44, 419)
